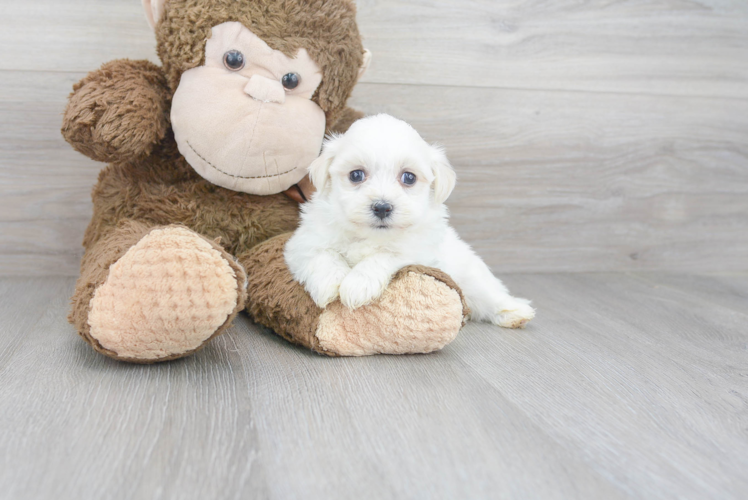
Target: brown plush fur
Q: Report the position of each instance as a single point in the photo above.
(276, 300)
(325, 28)
(95, 269)
(120, 114)
(132, 198)
(280, 303)
(163, 189)
(345, 120)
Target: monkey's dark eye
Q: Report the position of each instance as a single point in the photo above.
(233, 60)
(290, 81)
(408, 178)
(357, 176)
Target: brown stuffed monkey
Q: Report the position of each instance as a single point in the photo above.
(190, 216)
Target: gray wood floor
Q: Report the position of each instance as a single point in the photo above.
(625, 386)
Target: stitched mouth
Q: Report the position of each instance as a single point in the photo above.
(237, 176)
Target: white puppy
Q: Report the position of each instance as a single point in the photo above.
(379, 206)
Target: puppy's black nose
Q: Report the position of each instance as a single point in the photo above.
(382, 209)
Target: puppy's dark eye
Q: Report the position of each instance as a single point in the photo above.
(233, 60)
(408, 178)
(357, 176)
(290, 81)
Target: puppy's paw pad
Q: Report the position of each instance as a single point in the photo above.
(357, 290)
(516, 317)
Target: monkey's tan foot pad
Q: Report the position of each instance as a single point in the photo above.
(421, 311)
(417, 313)
(165, 298)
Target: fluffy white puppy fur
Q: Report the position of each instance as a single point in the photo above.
(379, 206)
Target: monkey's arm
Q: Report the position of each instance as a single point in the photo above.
(118, 112)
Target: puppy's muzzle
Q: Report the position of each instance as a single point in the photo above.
(382, 209)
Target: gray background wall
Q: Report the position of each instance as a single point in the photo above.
(587, 135)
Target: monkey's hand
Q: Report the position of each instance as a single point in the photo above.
(118, 112)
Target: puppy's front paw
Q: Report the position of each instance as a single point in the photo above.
(359, 289)
(515, 314)
(325, 289)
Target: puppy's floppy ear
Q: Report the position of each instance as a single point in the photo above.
(319, 170)
(444, 175)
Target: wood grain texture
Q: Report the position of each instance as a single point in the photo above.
(557, 181)
(634, 362)
(595, 135)
(589, 136)
(552, 182)
(662, 47)
(672, 47)
(78, 36)
(45, 185)
(624, 386)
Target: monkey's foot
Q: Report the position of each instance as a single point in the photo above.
(417, 313)
(165, 297)
(421, 311)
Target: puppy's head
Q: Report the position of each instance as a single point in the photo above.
(382, 175)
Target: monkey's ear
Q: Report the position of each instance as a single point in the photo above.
(319, 170)
(444, 175)
(365, 64)
(154, 11)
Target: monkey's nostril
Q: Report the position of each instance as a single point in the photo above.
(382, 209)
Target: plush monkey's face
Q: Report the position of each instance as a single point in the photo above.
(254, 83)
(245, 119)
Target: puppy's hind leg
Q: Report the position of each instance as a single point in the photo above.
(488, 298)
(490, 301)
(513, 312)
